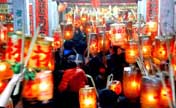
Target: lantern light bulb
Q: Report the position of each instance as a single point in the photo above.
(2, 67)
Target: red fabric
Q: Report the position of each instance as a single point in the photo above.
(73, 79)
(95, 3)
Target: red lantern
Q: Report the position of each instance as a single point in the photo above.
(150, 92)
(5, 71)
(131, 83)
(87, 97)
(118, 36)
(45, 85)
(93, 46)
(58, 41)
(116, 87)
(3, 34)
(152, 29)
(160, 49)
(67, 30)
(146, 46)
(13, 50)
(132, 52)
(103, 42)
(42, 56)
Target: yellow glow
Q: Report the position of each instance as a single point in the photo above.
(151, 98)
(132, 53)
(144, 49)
(134, 84)
(88, 102)
(43, 86)
(3, 67)
(1, 84)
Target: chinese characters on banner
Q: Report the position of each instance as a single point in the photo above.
(42, 16)
(152, 10)
(31, 19)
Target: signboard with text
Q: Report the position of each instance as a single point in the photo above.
(42, 16)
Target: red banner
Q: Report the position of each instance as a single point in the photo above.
(95, 3)
(42, 16)
(152, 10)
(31, 19)
(3, 1)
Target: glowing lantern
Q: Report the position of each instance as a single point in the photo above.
(103, 42)
(131, 83)
(42, 56)
(147, 63)
(67, 30)
(116, 87)
(58, 41)
(87, 28)
(118, 36)
(30, 90)
(173, 61)
(5, 71)
(3, 34)
(69, 18)
(152, 29)
(45, 85)
(132, 52)
(13, 50)
(146, 46)
(84, 18)
(150, 92)
(160, 49)
(87, 97)
(93, 47)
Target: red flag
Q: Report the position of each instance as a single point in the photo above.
(95, 3)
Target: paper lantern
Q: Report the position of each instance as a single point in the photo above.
(84, 18)
(30, 90)
(5, 71)
(45, 85)
(87, 97)
(160, 49)
(118, 35)
(116, 87)
(103, 42)
(3, 34)
(67, 30)
(146, 46)
(131, 83)
(58, 41)
(132, 52)
(42, 56)
(87, 28)
(93, 47)
(13, 50)
(152, 29)
(150, 92)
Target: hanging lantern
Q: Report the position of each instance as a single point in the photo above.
(93, 47)
(13, 50)
(45, 85)
(118, 36)
(116, 87)
(132, 52)
(131, 83)
(58, 41)
(87, 28)
(152, 29)
(150, 92)
(3, 34)
(67, 30)
(103, 42)
(30, 90)
(10, 27)
(42, 56)
(146, 46)
(87, 97)
(84, 18)
(160, 49)
(165, 94)
(69, 18)
(5, 71)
